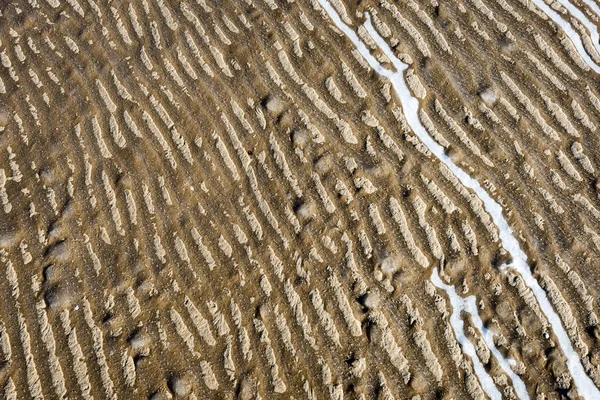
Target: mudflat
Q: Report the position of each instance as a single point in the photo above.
(299, 199)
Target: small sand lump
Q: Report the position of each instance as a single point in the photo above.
(274, 105)
(371, 300)
(59, 297)
(180, 386)
(3, 117)
(300, 137)
(488, 95)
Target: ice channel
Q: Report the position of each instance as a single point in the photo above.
(469, 305)
(570, 31)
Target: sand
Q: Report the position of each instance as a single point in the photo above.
(309, 199)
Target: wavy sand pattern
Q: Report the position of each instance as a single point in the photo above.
(308, 199)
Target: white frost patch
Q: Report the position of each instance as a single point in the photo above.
(571, 33)
(469, 305)
(410, 105)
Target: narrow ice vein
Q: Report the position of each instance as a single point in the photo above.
(584, 19)
(469, 304)
(570, 32)
(458, 304)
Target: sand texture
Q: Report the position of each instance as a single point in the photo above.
(299, 199)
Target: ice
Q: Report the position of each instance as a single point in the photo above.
(469, 305)
(593, 29)
(572, 33)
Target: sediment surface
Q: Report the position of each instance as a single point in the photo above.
(308, 199)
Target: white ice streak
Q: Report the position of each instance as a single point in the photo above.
(577, 13)
(410, 105)
(570, 32)
(592, 4)
(469, 305)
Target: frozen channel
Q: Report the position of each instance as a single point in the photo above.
(570, 32)
(469, 305)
